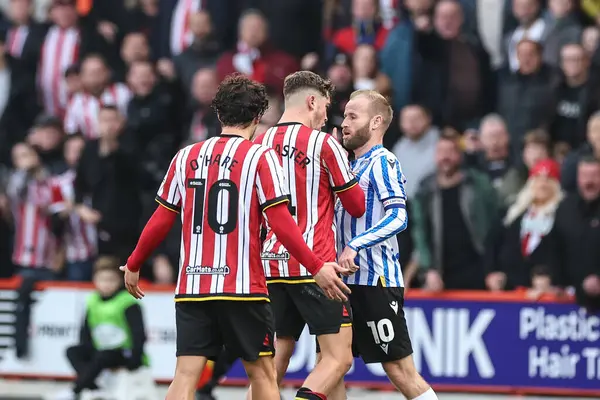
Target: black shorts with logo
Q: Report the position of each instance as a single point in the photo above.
(244, 328)
(379, 327)
(299, 304)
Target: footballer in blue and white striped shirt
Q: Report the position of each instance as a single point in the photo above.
(368, 248)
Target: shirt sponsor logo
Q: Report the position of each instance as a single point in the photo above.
(206, 270)
(267, 255)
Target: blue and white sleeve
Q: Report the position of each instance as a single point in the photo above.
(387, 179)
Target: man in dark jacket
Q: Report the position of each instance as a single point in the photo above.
(107, 175)
(525, 97)
(575, 237)
(590, 148)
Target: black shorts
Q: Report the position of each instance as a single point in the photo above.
(244, 328)
(379, 327)
(297, 304)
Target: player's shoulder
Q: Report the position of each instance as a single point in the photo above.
(382, 155)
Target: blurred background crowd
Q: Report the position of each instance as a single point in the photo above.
(497, 124)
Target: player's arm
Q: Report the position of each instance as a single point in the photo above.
(341, 178)
(387, 179)
(158, 226)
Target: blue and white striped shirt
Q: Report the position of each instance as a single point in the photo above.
(374, 234)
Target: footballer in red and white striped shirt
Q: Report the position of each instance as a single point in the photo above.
(317, 170)
(316, 167)
(83, 108)
(225, 188)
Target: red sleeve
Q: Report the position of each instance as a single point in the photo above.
(156, 230)
(335, 160)
(288, 233)
(353, 201)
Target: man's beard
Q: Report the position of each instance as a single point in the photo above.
(359, 139)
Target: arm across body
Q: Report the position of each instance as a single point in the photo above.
(288, 233)
(393, 222)
(353, 200)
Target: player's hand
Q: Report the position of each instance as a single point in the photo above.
(327, 278)
(433, 281)
(346, 261)
(132, 280)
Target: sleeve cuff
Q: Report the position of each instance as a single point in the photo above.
(353, 247)
(274, 202)
(167, 205)
(348, 185)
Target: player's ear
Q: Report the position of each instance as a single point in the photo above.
(311, 102)
(376, 122)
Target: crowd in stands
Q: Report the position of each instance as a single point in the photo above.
(496, 125)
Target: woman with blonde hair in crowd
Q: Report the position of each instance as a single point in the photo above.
(517, 254)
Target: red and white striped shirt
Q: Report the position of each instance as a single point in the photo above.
(35, 245)
(82, 111)
(222, 185)
(15, 40)
(80, 238)
(315, 166)
(181, 36)
(59, 51)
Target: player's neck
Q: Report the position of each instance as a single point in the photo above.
(365, 148)
(246, 133)
(293, 115)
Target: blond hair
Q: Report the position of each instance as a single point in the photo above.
(379, 104)
(525, 199)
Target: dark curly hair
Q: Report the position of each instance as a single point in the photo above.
(239, 101)
(307, 80)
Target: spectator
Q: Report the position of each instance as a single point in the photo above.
(520, 244)
(562, 28)
(366, 28)
(30, 195)
(366, 71)
(108, 175)
(24, 37)
(589, 40)
(452, 213)
(203, 121)
(152, 119)
(416, 148)
(254, 55)
(79, 239)
(525, 98)
(202, 53)
(536, 148)
(492, 156)
(47, 136)
(18, 105)
(134, 48)
(340, 74)
(112, 334)
(82, 112)
(145, 19)
(590, 148)
(453, 79)
(490, 20)
(65, 43)
(531, 27)
(576, 234)
(73, 80)
(576, 97)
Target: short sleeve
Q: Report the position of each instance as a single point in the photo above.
(169, 192)
(388, 180)
(335, 159)
(270, 181)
